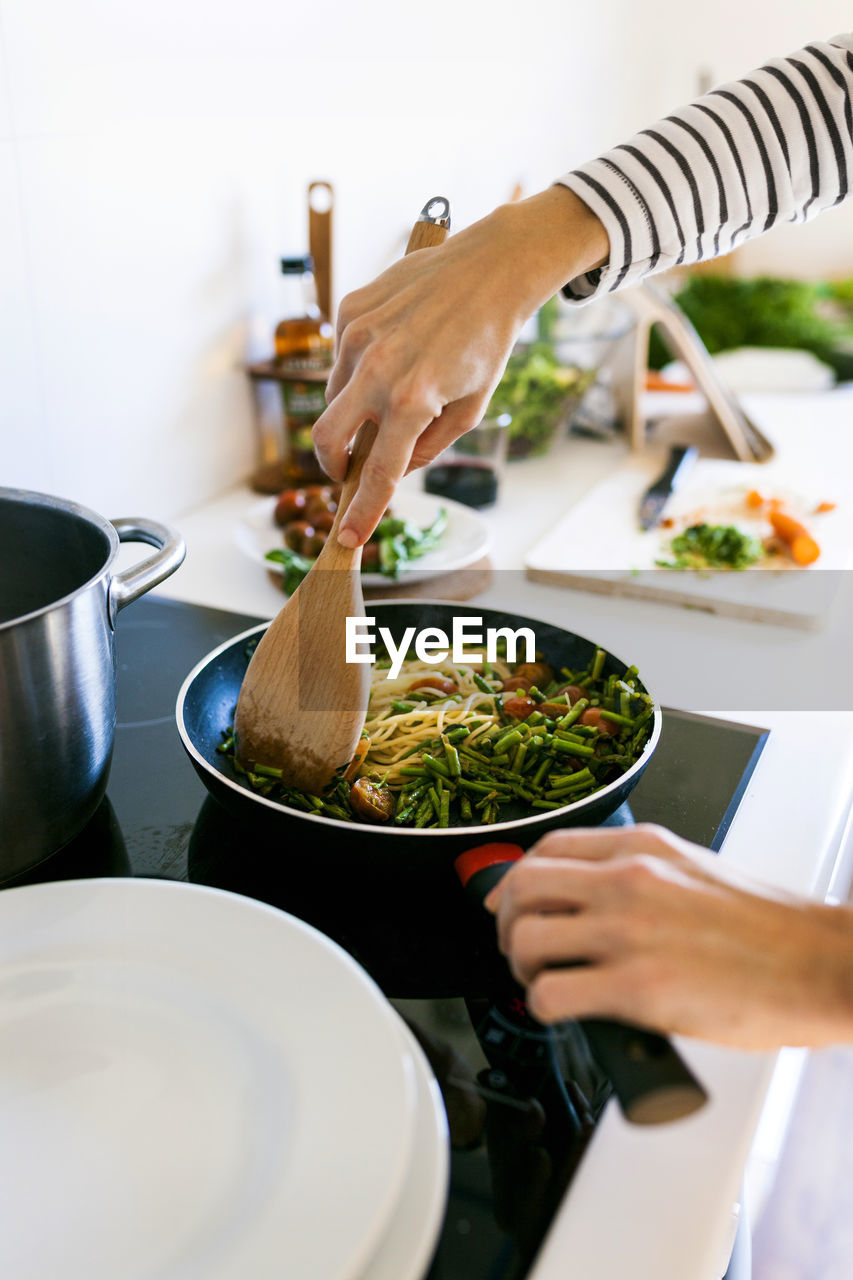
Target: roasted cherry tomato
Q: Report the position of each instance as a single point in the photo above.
(538, 673)
(592, 716)
(296, 532)
(322, 520)
(370, 801)
(314, 491)
(442, 683)
(315, 507)
(290, 505)
(554, 710)
(516, 682)
(574, 691)
(518, 708)
(312, 544)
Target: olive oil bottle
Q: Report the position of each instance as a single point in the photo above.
(304, 351)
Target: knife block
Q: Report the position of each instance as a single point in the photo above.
(650, 305)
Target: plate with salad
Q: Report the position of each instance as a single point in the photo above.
(419, 536)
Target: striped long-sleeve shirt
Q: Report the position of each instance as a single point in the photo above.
(774, 147)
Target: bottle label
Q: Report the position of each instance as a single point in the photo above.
(303, 400)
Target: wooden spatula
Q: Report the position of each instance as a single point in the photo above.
(320, 203)
(302, 706)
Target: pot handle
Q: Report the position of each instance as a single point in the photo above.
(133, 582)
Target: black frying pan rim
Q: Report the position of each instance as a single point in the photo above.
(493, 829)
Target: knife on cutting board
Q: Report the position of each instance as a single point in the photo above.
(681, 460)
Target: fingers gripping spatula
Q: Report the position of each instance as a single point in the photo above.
(302, 706)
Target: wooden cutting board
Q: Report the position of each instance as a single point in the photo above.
(598, 546)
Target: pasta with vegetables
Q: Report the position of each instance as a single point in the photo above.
(456, 745)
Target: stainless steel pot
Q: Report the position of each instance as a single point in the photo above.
(58, 604)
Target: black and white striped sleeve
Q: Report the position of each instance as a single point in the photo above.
(774, 147)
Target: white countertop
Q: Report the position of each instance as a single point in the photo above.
(654, 1204)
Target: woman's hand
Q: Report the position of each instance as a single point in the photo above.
(658, 932)
(422, 348)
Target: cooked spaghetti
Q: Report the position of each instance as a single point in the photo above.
(404, 716)
(453, 745)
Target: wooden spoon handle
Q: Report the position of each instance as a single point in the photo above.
(425, 235)
(429, 231)
(345, 557)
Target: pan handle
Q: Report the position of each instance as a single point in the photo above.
(650, 1079)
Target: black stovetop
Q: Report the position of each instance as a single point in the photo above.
(518, 1129)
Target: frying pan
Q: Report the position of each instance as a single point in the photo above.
(650, 1079)
(206, 706)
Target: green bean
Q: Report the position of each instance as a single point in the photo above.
(510, 739)
(436, 767)
(481, 684)
(573, 747)
(582, 775)
(457, 734)
(402, 707)
(524, 794)
(424, 813)
(267, 771)
(413, 771)
(598, 664)
(575, 714)
(545, 804)
(451, 756)
(617, 718)
(518, 758)
(569, 748)
(468, 784)
(541, 772)
(465, 809)
(335, 811)
(444, 810)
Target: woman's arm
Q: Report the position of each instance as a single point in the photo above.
(659, 932)
(421, 349)
(774, 147)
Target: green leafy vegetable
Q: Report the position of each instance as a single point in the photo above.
(730, 312)
(400, 541)
(713, 546)
(294, 567)
(537, 392)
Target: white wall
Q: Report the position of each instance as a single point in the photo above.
(154, 159)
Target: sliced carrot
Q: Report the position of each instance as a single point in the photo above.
(802, 546)
(823, 507)
(657, 382)
(754, 498)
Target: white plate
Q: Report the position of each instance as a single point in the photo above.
(191, 1084)
(407, 1248)
(465, 540)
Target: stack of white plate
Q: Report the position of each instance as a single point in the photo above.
(193, 1084)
